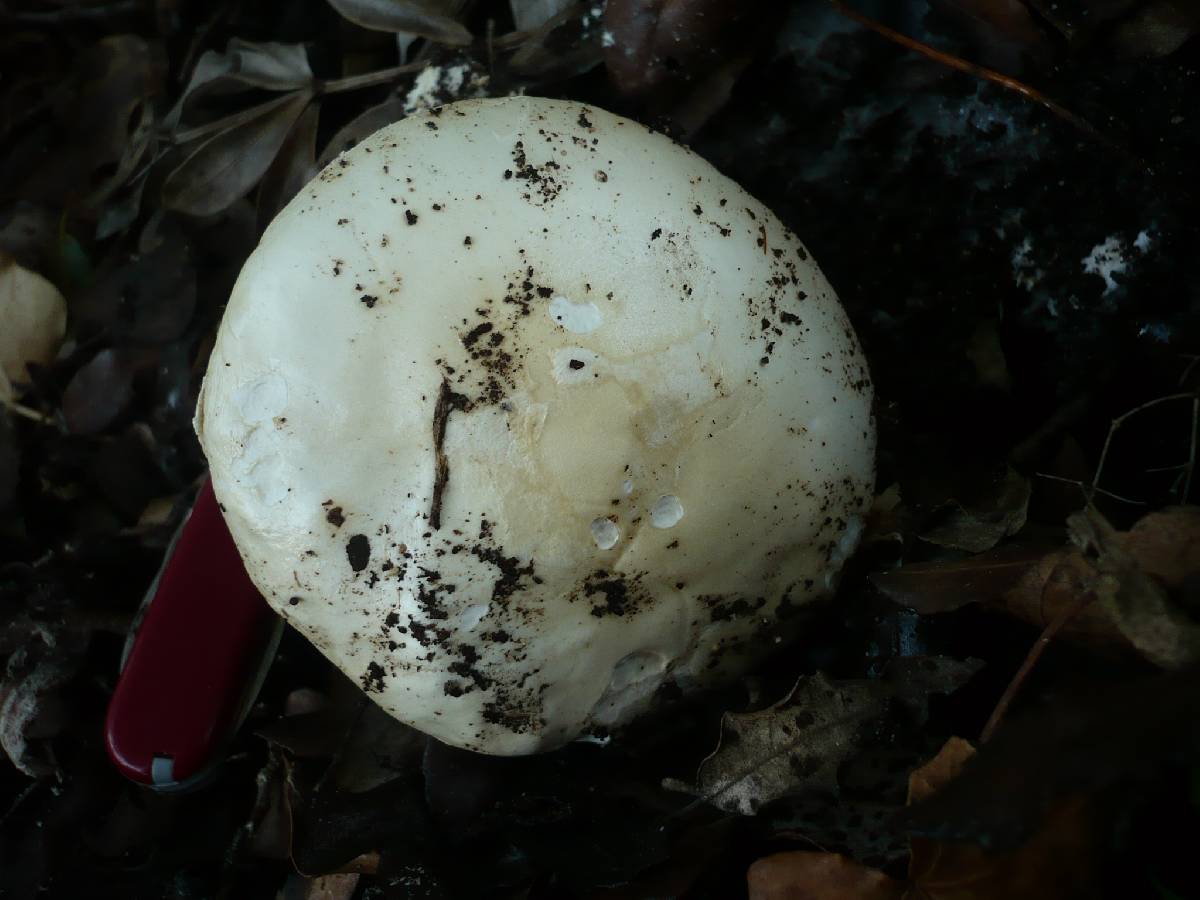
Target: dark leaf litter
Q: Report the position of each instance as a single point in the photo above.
(1017, 282)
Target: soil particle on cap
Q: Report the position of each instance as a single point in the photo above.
(358, 552)
(372, 679)
(542, 179)
(614, 593)
(335, 517)
(410, 217)
(511, 571)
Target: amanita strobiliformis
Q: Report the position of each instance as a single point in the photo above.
(521, 410)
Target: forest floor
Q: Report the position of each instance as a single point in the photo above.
(1004, 196)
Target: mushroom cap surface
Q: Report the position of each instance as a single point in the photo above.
(521, 410)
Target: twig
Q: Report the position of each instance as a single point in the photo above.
(1191, 366)
(447, 402)
(231, 121)
(369, 79)
(1061, 419)
(1090, 489)
(1121, 419)
(32, 414)
(979, 71)
(74, 15)
(1035, 653)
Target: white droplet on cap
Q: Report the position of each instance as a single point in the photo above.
(580, 318)
(666, 512)
(605, 533)
(473, 615)
(627, 486)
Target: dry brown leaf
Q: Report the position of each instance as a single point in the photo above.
(799, 743)
(1131, 574)
(931, 777)
(808, 875)
(1055, 864)
(937, 587)
(226, 166)
(987, 520)
(791, 746)
(1135, 600)
(426, 18)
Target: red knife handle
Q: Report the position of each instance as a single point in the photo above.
(199, 650)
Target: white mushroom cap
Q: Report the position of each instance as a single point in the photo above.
(521, 410)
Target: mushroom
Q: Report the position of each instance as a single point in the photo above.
(521, 412)
(33, 319)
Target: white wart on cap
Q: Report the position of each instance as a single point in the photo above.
(521, 411)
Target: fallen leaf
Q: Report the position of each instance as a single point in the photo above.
(363, 125)
(859, 829)
(97, 130)
(987, 520)
(28, 706)
(340, 886)
(1158, 28)
(1075, 20)
(939, 771)
(426, 18)
(911, 680)
(944, 586)
(293, 167)
(564, 46)
(794, 745)
(1135, 600)
(1096, 738)
(529, 14)
(100, 393)
(145, 299)
(798, 744)
(377, 749)
(246, 64)
(1134, 575)
(808, 875)
(1055, 863)
(334, 827)
(33, 320)
(226, 166)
